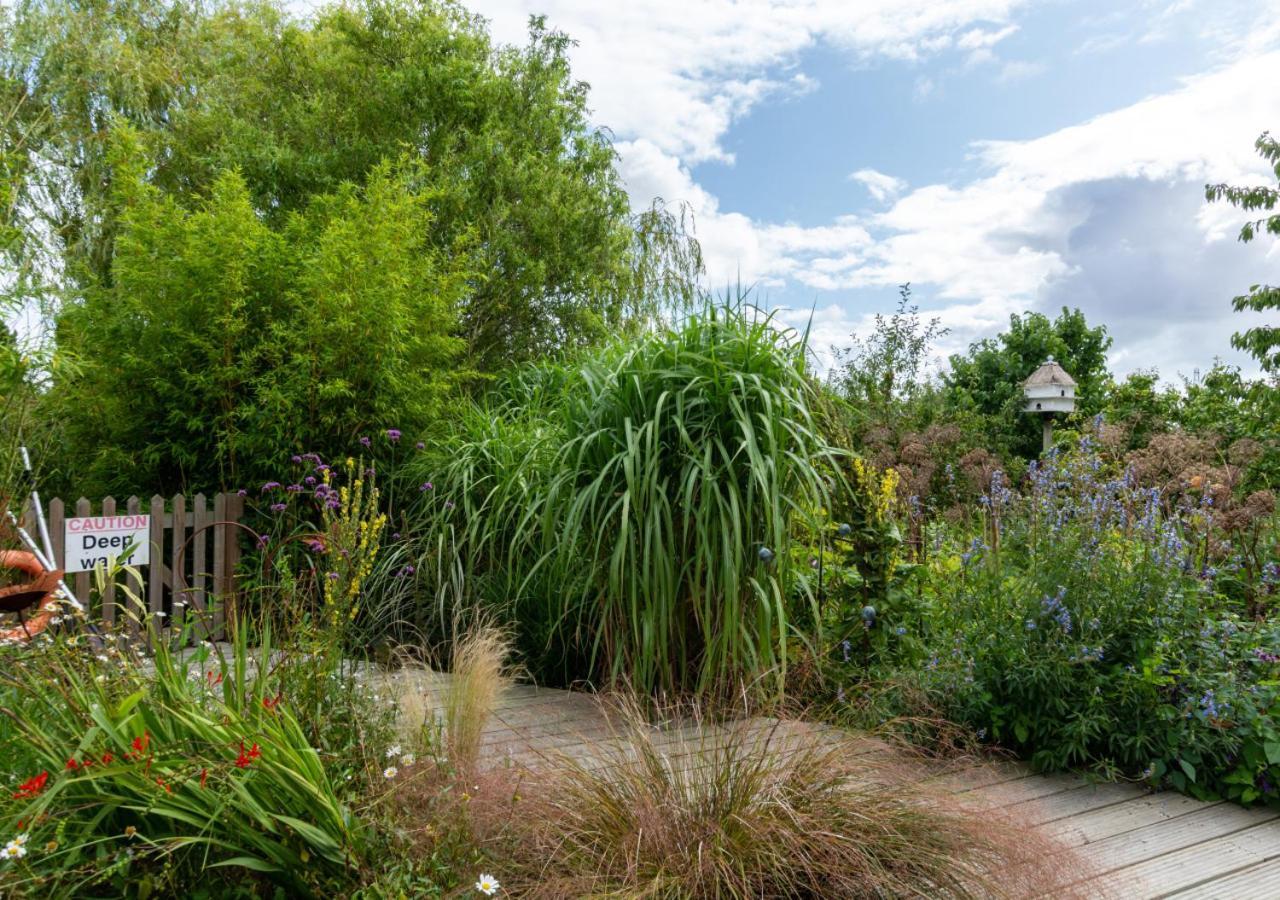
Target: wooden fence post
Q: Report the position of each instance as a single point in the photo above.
(57, 533)
(219, 563)
(235, 510)
(156, 570)
(83, 508)
(136, 600)
(109, 591)
(178, 577)
(199, 572)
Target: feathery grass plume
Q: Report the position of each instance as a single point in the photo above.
(478, 678)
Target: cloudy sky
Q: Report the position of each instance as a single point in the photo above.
(1000, 155)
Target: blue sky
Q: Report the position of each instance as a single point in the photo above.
(1001, 155)
(916, 119)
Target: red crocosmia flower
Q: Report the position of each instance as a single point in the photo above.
(106, 759)
(270, 703)
(213, 681)
(164, 784)
(204, 776)
(32, 786)
(140, 744)
(247, 756)
(71, 765)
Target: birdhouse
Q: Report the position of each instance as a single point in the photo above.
(1049, 390)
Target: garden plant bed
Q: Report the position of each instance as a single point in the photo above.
(1128, 841)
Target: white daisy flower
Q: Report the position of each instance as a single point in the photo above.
(487, 885)
(390, 772)
(408, 759)
(13, 850)
(393, 750)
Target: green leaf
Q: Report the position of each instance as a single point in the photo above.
(1188, 768)
(248, 862)
(1272, 750)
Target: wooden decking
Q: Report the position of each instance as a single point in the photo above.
(1127, 842)
(1135, 843)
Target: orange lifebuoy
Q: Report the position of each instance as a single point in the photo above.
(42, 591)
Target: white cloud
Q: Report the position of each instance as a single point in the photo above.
(735, 246)
(1009, 239)
(677, 73)
(670, 78)
(1020, 69)
(879, 185)
(1013, 238)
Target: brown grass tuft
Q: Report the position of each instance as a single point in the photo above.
(759, 808)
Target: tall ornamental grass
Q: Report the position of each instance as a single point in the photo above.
(632, 513)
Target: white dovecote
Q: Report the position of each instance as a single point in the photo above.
(1049, 390)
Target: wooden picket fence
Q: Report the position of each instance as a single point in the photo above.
(195, 551)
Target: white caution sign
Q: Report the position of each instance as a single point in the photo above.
(94, 540)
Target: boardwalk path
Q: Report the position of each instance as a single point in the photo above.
(1135, 843)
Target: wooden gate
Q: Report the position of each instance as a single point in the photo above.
(195, 550)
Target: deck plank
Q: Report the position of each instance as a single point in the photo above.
(1083, 798)
(1258, 882)
(1099, 824)
(1202, 859)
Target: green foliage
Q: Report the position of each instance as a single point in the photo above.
(222, 343)
(1223, 404)
(1262, 342)
(301, 107)
(884, 377)
(1085, 624)
(162, 772)
(871, 611)
(1141, 407)
(632, 514)
(989, 378)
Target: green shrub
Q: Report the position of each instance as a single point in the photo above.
(1083, 627)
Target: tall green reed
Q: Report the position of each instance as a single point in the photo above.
(631, 513)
